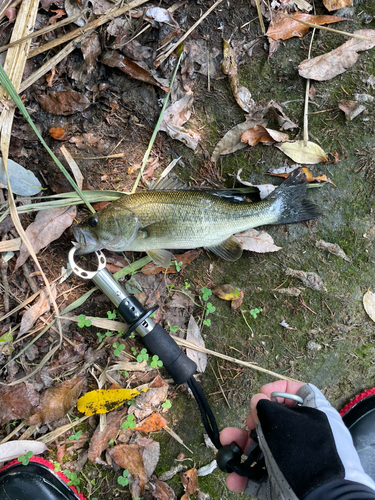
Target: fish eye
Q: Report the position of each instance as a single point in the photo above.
(92, 221)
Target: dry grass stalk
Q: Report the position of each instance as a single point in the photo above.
(10, 245)
(73, 167)
(14, 67)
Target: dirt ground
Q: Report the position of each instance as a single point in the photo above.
(329, 339)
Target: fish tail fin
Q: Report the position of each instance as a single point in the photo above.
(291, 203)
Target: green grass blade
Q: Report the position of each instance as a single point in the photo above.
(8, 86)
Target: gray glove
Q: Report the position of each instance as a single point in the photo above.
(305, 448)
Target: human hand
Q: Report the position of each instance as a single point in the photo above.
(307, 448)
(241, 437)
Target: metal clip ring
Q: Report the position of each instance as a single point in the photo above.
(286, 395)
(81, 272)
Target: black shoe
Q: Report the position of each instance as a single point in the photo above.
(34, 481)
(359, 417)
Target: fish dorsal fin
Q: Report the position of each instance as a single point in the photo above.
(162, 258)
(232, 195)
(229, 249)
(170, 182)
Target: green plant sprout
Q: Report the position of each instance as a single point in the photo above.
(134, 351)
(124, 373)
(187, 285)
(73, 479)
(118, 348)
(76, 435)
(111, 314)
(57, 466)
(167, 404)
(254, 312)
(207, 322)
(25, 459)
(155, 362)
(210, 308)
(129, 423)
(123, 480)
(83, 321)
(102, 336)
(206, 293)
(177, 265)
(173, 329)
(142, 356)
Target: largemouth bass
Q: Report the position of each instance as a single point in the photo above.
(154, 221)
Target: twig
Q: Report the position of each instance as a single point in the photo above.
(4, 279)
(260, 17)
(306, 107)
(163, 57)
(222, 392)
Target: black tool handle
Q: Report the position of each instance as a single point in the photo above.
(180, 367)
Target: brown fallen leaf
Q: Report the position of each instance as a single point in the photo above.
(257, 241)
(154, 422)
(236, 303)
(129, 457)
(310, 279)
(229, 68)
(161, 490)
(337, 61)
(48, 226)
(91, 49)
(288, 28)
(100, 439)
(309, 153)
(189, 480)
(351, 109)
(291, 292)
(185, 258)
(35, 311)
(57, 133)
(17, 402)
(194, 336)
(231, 141)
(115, 60)
(336, 4)
(265, 135)
(57, 401)
(175, 116)
(332, 248)
(369, 304)
(65, 102)
(90, 142)
(306, 175)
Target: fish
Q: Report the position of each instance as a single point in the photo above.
(158, 221)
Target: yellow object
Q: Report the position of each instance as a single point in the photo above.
(104, 401)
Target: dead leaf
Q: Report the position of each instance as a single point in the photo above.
(38, 309)
(257, 241)
(336, 4)
(226, 292)
(337, 61)
(90, 142)
(150, 451)
(236, 303)
(194, 336)
(369, 304)
(231, 141)
(17, 402)
(154, 422)
(128, 456)
(57, 401)
(288, 28)
(115, 60)
(189, 480)
(91, 50)
(291, 292)
(332, 248)
(175, 116)
(229, 68)
(65, 102)
(104, 401)
(13, 449)
(351, 109)
(100, 439)
(185, 258)
(48, 226)
(57, 133)
(310, 279)
(161, 490)
(310, 153)
(265, 135)
(264, 189)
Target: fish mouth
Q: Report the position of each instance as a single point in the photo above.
(85, 242)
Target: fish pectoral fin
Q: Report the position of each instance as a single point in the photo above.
(162, 258)
(230, 249)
